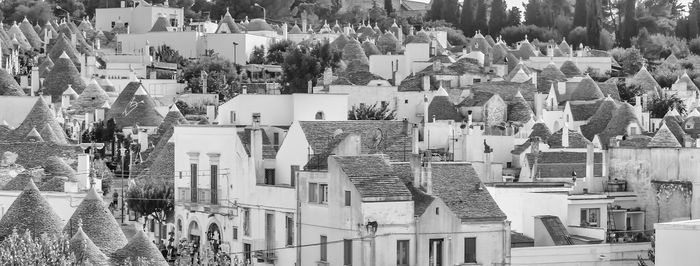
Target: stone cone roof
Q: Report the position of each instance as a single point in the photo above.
(564, 47)
(587, 90)
(685, 78)
(47, 133)
(550, 74)
(163, 163)
(623, 116)
(139, 246)
(63, 73)
(45, 67)
(370, 49)
(98, 223)
(16, 32)
(8, 85)
(48, 27)
(353, 53)
(30, 33)
(30, 211)
(570, 69)
(173, 118)
(519, 109)
(340, 42)
(62, 44)
(540, 130)
(123, 100)
(55, 166)
(420, 37)
(518, 67)
(85, 25)
(387, 43)
(93, 97)
(139, 110)
(82, 247)
(39, 116)
(295, 30)
(81, 44)
(441, 108)
(645, 81)
(161, 24)
(671, 59)
(664, 138)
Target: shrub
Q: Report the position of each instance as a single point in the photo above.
(694, 45)
(515, 34)
(577, 36)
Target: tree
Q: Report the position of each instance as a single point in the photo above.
(629, 24)
(371, 112)
(577, 36)
(659, 106)
(450, 11)
(466, 20)
(480, 21)
(221, 72)
(533, 14)
(300, 67)
(693, 30)
(327, 55)
(630, 59)
(435, 12)
(166, 54)
(35, 11)
(593, 28)
(22, 249)
(388, 7)
(580, 13)
(498, 17)
(514, 16)
(275, 53)
(258, 55)
(152, 197)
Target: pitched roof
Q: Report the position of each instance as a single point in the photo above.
(550, 74)
(664, 139)
(61, 75)
(583, 110)
(377, 136)
(229, 23)
(38, 117)
(458, 185)
(561, 164)
(139, 247)
(564, 47)
(519, 109)
(671, 59)
(674, 125)
(600, 119)
(295, 30)
(540, 130)
(441, 108)
(609, 89)
(570, 69)
(30, 211)
(370, 48)
(556, 229)
(163, 163)
(387, 42)
(268, 150)
(477, 98)
(507, 90)
(372, 176)
(340, 42)
(81, 246)
(8, 85)
(93, 97)
(353, 52)
(161, 25)
(98, 223)
(576, 140)
(685, 78)
(587, 90)
(518, 67)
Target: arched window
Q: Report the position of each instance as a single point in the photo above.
(179, 225)
(320, 115)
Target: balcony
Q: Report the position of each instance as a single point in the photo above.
(264, 250)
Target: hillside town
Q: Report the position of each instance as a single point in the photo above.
(349, 132)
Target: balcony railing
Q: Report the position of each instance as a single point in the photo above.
(630, 236)
(201, 196)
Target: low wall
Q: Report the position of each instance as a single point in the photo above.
(599, 255)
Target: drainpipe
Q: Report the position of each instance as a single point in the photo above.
(298, 262)
(415, 224)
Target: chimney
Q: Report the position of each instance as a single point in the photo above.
(470, 118)
(487, 164)
(83, 171)
(425, 114)
(256, 147)
(309, 87)
(285, 31)
(35, 80)
(590, 160)
(565, 135)
(426, 83)
(428, 177)
(415, 157)
(73, 42)
(203, 76)
(539, 105)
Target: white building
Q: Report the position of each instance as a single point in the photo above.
(675, 242)
(138, 18)
(283, 109)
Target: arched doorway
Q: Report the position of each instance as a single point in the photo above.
(214, 237)
(194, 234)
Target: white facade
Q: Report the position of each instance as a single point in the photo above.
(602, 64)
(64, 204)
(222, 44)
(139, 19)
(283, 110)
(676, 243)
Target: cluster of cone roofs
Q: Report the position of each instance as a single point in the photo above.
(95, 234)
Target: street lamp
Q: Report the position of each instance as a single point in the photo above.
(264, 11)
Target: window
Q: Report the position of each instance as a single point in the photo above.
(324, 248)
(113, 24)
(589, 217)
(235, 233)
(313, 190)
(193, 181)
(437, 210)
(402, 250)
(246, 221)
(179, 225)
(477, 80)
(270, 230)
(633, 130)
(276, 140)
(320, 116)
(290, 229)
(405, 101)
(293, 169)
(214, 183)
(348, 198)
(269, 176)
(470, 249)
(347, 252)
(247, 248)
(232, 117)
(323, 193)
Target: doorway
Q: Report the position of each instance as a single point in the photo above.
(435, 252)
